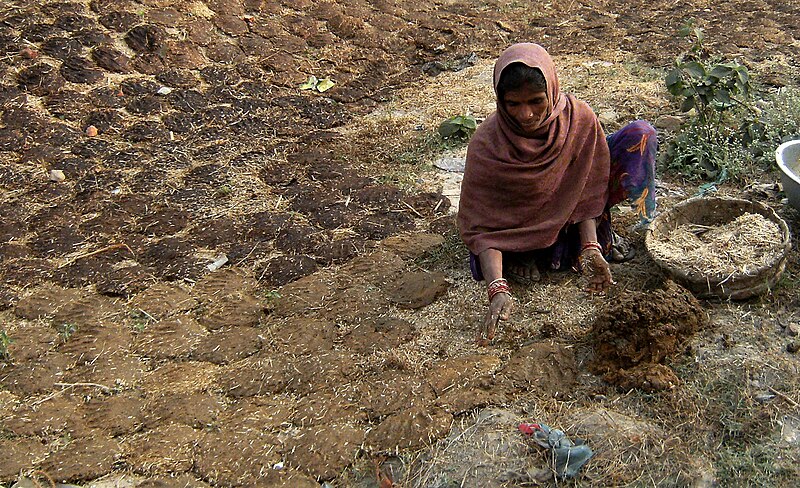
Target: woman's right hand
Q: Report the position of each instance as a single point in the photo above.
(500, 308)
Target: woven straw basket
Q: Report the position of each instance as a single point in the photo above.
(717, 211)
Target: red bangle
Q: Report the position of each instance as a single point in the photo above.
(592, 245)
(492, 294)
(500, 285)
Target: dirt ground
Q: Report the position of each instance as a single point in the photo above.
(335, 343)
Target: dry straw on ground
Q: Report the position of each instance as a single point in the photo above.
(744, 245)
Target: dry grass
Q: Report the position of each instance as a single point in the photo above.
(483, 447)
(741, 246)
(727, 415)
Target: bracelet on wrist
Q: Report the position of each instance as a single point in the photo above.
(493, 294)
(500, 285)
(591, 245)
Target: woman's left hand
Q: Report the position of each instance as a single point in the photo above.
(595, 267)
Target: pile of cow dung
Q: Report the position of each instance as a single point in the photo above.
(637, 334)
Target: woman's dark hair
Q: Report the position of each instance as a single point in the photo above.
(518, 75)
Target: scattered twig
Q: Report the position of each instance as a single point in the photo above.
(67, 386)
(784, 397)
(248, 254)
(148, 315)
(413, 210)
(698, 229)
(96, 385)
(726, 279)
(112, 247)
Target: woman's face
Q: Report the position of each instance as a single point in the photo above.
(527, 107)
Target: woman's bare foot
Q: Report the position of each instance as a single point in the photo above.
(523, 272)
(621, 250)
(596, 270)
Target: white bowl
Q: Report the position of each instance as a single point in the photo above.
(788, 157)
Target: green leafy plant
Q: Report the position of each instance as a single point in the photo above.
(5, 341)
(272, 295)
(460, 127)
(710, 89)
(140, 320)
(66, 330)
(719, 95)
(734, 125)
(223, 191)
(706, 84)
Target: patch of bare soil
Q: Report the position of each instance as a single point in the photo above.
(142, 141)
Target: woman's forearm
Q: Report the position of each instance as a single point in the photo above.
(588, 231)
(491, 264)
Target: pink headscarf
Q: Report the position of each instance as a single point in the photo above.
(519, 191)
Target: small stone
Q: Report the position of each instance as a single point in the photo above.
(793, 329)
(669, 122)
(453, 164)
(608, 117)
(29, 53)
(91, 131)
(56, 175)
(218, 262)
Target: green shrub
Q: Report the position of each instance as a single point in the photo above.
(716, 92)
(780, 119)
(733, 128)
(66, 330)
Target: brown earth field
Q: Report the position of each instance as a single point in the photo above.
(212, 277)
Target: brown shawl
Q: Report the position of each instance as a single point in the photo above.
(518, 191)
